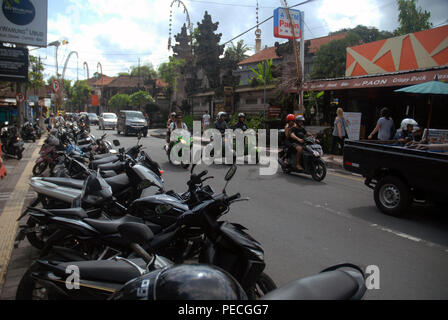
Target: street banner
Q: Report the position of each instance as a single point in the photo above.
(282, 26)
(95, 100)
(13, 64)
(353, 125)
(24, 22)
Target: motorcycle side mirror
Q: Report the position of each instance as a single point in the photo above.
(116, 143)
(140, 136)
(231, 173)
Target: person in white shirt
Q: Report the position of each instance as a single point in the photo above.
(205, 121)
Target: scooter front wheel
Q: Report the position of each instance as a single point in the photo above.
(319, 171)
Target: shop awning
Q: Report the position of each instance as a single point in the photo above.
(380, 81)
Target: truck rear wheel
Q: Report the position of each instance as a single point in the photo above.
(392, 196)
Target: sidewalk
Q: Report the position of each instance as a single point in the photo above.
(15, 193)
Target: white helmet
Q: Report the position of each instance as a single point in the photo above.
(408, 122)
(221, 114)
(300, 118)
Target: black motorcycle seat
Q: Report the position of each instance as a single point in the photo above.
(107, 270)
(118, 183)
(102, 156)
(66, 182)
(86, 147)
(333, 285)
(95, 163)
(111, 226)
(115, 166)
(72, 213)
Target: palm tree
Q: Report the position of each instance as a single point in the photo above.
(238, 53)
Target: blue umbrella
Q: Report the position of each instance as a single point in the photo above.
(432, 87)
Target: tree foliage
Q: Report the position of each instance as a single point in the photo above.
(412, 19)
(141, 99)
(330, 59)
(119, 101)
(36, 76)
(263, 74)
(237, 52)
(80, 94)
(145, 71)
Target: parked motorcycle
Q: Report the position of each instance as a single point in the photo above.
(12, 144)
(311, 160)
(27, 132)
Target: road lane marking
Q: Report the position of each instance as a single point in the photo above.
(380, 228)
(346, 177)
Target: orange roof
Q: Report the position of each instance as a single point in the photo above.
(266, 54)
(318, 42)
(161, 84)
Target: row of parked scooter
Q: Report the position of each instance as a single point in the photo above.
(108, 229)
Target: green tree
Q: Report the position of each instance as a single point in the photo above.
(264, 72)
(237, 53)
(119, 101)
(412, 19)
(170, 73)
(81, 94)
(146, 71)
(36, 76)
(330, 60)
(141, 99)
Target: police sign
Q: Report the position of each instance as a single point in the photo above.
(282, 23)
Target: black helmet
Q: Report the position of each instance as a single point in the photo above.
(183, 282)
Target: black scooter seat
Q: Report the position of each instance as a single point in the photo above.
(115, 166)
(102, 156)
(66, 182)
(95, 163)
(333, 285)
(106, 227)
(107, 270)
(118, 183)
(72, 213)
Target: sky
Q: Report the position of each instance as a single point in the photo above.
(117, 33)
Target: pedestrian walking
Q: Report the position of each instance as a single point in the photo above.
(340, 132)
(385, 127)
(205, 121)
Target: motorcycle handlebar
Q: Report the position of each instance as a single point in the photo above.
(234, 197)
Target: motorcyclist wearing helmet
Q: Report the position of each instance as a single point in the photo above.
(297, 135)
(405, 133)
(221, 123)
(241, 124)
(290, 123)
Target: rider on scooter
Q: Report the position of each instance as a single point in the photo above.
(177, 124)
(297, 134)
(241, 124)
(221, 123)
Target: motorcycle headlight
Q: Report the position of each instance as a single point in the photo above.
(183, 141)
(18, 139)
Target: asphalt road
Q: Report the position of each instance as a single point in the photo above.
(305, 226)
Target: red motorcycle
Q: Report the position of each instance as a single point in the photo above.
(48, 158)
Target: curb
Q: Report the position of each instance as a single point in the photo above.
(11, 212)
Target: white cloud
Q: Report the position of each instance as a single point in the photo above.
(348, 13)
